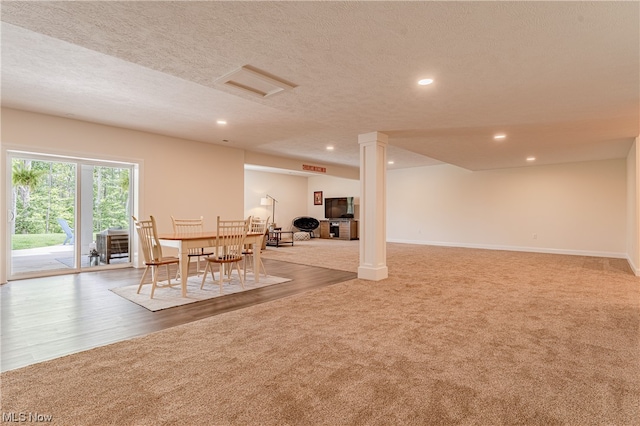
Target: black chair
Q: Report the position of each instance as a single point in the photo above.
(306, 224)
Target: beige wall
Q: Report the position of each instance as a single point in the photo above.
(633, 207)
(258, 159)
(178, 177)
(577, 208)
(290, 191)
(4, 187)
(294, 194)
(333, 187)
(573, 208)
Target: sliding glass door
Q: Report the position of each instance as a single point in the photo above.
(67, 215)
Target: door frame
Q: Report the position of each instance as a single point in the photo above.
(10, 153)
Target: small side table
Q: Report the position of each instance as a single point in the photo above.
(274, 238)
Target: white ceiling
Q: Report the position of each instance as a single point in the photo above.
(561, 79)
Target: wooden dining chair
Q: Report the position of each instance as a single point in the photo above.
(192, 226)
(257, 226)
(228, 249)
(152, 252)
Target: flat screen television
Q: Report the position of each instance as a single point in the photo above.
(337, 208)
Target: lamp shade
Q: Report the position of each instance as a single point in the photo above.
(265, 201)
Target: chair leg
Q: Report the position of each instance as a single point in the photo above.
(221, 273)
(248, 260)
(245, 260)
(168, 274)
(155, 281)
(144, 274)
(198, 259)
(239, 274)
(263, 269)
(204, 277)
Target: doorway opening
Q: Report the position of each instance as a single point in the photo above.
(67, 214)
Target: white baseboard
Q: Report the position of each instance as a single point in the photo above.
(634, 268)
(517, 248)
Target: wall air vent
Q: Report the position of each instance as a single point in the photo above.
(255, 82)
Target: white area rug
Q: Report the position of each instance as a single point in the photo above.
(169, 297)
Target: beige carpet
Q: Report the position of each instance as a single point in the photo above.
(454, 336)
(169, 297)
(342, 255)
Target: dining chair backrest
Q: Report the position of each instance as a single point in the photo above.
(258, 226)
(187, 226)
(149, 242)
(230, 238)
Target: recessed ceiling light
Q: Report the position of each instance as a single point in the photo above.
(531, 158)
(390, 162)
(500, 136)
(221, 121)
(330, 148)
(425, 81)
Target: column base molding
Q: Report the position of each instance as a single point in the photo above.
(373, 274)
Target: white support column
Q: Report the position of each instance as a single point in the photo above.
(373, 204)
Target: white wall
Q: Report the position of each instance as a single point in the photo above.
(295, 165)
(4, 244)
(633, 207)
(294, 194)
(289, 190)
(333, 187)
(576, 208)
(179, 177)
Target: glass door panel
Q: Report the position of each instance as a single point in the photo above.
(68, 215)
(105, 215)
(42, 229)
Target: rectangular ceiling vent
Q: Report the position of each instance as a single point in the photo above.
(255, 82)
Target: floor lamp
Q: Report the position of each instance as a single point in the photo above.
(269, 200)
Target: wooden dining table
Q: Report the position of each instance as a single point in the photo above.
(185, 241)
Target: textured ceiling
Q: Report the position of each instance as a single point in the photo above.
(561, 79)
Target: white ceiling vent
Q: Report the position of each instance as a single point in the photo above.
(255, 82)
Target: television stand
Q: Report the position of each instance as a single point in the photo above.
(342, 229)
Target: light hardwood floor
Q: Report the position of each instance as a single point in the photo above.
(46, 318)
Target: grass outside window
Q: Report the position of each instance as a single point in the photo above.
(27, 241)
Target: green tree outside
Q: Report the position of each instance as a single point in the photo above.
(44, 191)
